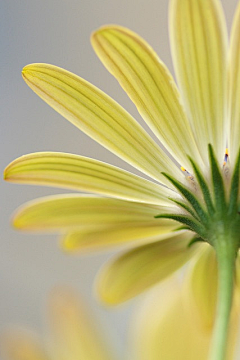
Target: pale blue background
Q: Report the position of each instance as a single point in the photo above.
(58, 32)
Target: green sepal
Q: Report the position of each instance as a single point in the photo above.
(217, 181)
(203, 186)
(182, 228)
(185, 206)
(192, 224)
(233, 197)
(194, 240)
(190, 198)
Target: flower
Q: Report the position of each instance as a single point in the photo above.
(74, 334)
(187, 210)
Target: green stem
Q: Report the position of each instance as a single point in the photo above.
(226, 255)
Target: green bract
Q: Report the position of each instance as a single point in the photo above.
(217, 209)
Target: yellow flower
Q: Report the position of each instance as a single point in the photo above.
(200, 190)
(74, 334)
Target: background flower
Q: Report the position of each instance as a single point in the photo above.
(167, 324)
(73, 333)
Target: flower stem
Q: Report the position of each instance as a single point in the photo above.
(226, 255)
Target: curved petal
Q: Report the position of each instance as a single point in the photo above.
(102, 237)
(134, 271)
(234, 88)
(99, 116)
(75, 212)
(84, 174)
(164, 328)
(19, 344)
(76, 334)
(201, 284)
(150, 86)
(199, 45)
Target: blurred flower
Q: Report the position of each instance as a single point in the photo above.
(168, 329)
(202, 194)
(74, 334)
(173, 327)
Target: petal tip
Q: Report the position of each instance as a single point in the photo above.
(5, 174)
(104, 29)
(16, 224)
(25, 70)
(17, 221)
(106, 299)
(95, 34)
(66, 247)
(104, 295)
(31, 68)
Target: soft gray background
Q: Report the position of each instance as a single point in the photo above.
(57, 32)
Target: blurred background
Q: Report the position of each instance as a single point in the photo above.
(57, 32)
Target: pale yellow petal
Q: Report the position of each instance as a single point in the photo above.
(201, 284)
(84, 174)
(134, 271)
(200, 295)
(76, 212)
(234, 88)
(150, 86)
(101, 237)
(199, 46)
(76, 335)
(99, 116)
(19, 344)
(164, 328)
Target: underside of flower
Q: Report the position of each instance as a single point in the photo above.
(209, 209)
(203, 109)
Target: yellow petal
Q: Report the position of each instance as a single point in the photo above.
(150, 86)
(164, 328)
(134, 271)
(75, 333)
(102, 237)
(99, 116)
(234, 84)
(199, 46)
(75, 212)
(19, 344)
(201, 284)
(84, 174)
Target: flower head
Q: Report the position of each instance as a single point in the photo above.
(190, 203)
